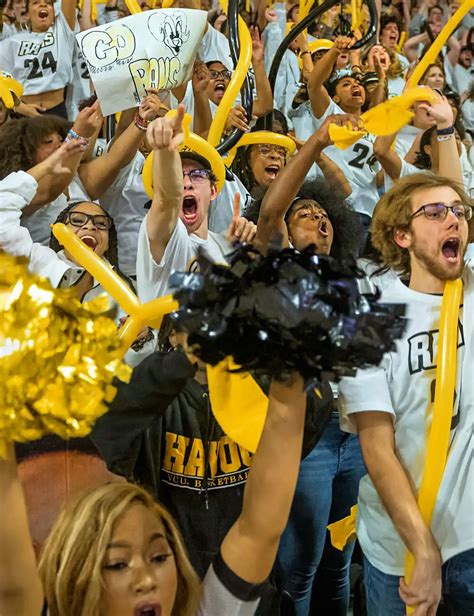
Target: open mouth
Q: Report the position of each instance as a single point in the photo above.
(323, 228)
(219, 88)
(148, 610)
(90, 241)
(450, 249)
(190, 209)
(43, 13)
(272, 171)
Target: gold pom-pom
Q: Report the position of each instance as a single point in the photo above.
(57, 357)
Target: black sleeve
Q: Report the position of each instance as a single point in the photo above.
(155, 382)
(318, 413)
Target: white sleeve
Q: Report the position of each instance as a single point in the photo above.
(152, 277)
(368, 390)
(215, 46)
(17, 190)
(272, 37)
(6, 32)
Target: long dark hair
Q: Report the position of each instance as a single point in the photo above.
(111, 254)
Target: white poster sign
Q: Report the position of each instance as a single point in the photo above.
(153, 49)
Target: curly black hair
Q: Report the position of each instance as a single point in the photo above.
(111, 254)
(345, 222)
(386, 19)
(20, 140)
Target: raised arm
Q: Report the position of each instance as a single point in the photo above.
(263, 104)
(99, 174)
(376, 436)
(51, 186)
(165, 135)
(322, 69)
(202, 111)
(68, 9)
(250, 546)
(387, 157)
(284, 189)
(20, 586)
(446, 161)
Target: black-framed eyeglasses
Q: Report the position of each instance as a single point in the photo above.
(227, 75)
(197, 176)
(79, 219)
(439, 211)
(265, 149)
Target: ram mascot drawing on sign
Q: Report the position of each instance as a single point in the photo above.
(173, 30)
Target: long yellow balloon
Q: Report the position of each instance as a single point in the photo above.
(151, 313)
(438, 440)
(133, 6)
(439, 42)
(233, 89)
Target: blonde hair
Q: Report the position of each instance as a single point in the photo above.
(72, 557)
(394, 211)
(394, 70)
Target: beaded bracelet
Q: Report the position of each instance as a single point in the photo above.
(140, 123)
(71, 134)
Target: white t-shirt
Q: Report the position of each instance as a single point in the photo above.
(7, 31)
(403, 386)
(405, 138)
(39, 223)
(357, 162)
(215, 46)
(396, 85)
(126, 201)
(407, 169)
(463, 78)
(180, 255)
(221, 208)
(80, 87)
(40, 61)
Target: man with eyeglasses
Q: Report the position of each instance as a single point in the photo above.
(176, 226)
(421, 229)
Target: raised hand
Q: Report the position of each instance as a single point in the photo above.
(167, 133)
(201, 77)
(257, 44)
(237, 118)
(240, 229)
(89, 121)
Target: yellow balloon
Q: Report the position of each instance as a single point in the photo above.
(233, 89)
(314, 46)
(438, 440)
(133, 7)
(151, 313)
(261, 136)
(97, 267)
(10, 90)
(439, 42)
(191, 142)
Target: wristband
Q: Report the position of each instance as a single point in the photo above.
(302, 53)
(140, 123)
(444, 137)
(445, 131)
(71, 134)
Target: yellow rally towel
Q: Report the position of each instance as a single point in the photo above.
(384, 119)
(238, 403)
(343, 530)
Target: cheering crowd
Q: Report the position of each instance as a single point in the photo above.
(159, 512)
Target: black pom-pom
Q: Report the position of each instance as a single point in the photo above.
(284, 312)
